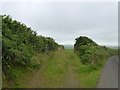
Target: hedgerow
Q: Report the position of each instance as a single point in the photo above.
(20, 43)
(89, 51)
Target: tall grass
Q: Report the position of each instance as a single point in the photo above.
(89, 74)
(50, 71)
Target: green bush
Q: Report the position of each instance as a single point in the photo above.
(89, 51)
(20, 43)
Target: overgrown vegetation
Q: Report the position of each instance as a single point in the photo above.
(19, 45)
(90, 52)
(93, 57)
(24, 51)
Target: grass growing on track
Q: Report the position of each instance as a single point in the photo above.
(54, 70)
(50, 73)
(88, 74)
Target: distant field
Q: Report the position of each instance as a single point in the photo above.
(69, 46)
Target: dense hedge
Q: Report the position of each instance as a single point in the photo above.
(20, 43)
(89, 51)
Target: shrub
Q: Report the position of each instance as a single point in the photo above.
(20, 43)
(89, 51)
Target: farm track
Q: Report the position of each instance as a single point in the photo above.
(42, 79)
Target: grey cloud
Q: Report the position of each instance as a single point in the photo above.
(64, 21)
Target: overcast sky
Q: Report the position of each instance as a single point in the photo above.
(65, 21)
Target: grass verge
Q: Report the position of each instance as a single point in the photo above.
(51, 71)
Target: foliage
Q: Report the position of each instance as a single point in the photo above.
(57, 72)
(82, 41)
(20, 43)
(89, 51)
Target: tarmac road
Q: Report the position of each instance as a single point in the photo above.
(109, 75)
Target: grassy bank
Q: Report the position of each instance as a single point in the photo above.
(88, 74)
(50, 69)
(57, 69)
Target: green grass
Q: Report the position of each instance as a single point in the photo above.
(88, 74)
(53, 70)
